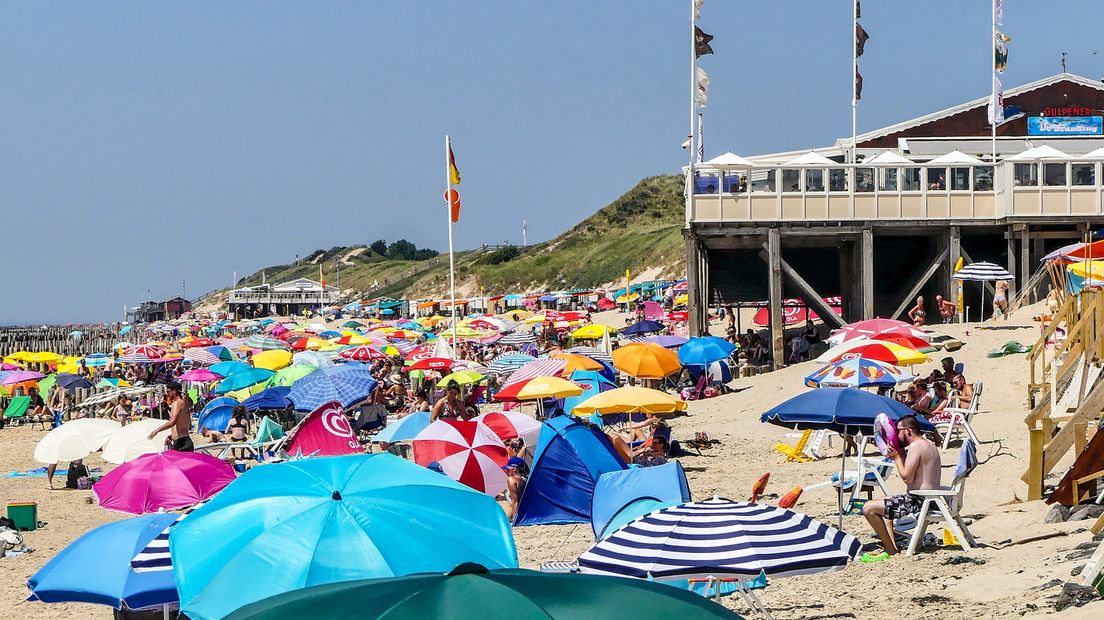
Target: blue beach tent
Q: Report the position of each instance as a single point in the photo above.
(570, 458)
(621, 496)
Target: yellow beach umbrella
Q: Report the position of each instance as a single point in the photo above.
(1092, 269)
(682, 300)
(463, 377)
(594, 331)
(630, 400)
(548, 387)
(274, 359)
(629, 297)
(646, 360)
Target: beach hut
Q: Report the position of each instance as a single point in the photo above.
(570, 458)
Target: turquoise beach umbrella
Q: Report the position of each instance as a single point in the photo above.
(243, 379)
(317, 521)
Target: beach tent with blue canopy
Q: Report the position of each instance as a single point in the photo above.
(593, 383)
(216, 414)
(621, 496)
(271, 398)
(570, 457)
(95, 568)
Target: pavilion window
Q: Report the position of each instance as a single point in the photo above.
(762, 181)
(1082, 174)
(1026, 175)
(791, 180)
(910, 180)
(937, 179)
(837, 180)
(814, 180)
(887, 179)
(960, 179)
(735, 182)
(1054, 175)
(864, 179)
(706, 184)
(983, 178)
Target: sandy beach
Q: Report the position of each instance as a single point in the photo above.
(997, 580)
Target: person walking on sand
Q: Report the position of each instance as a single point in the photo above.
(180, 420)
(1000, 300)
(919, 467)
(917, 314)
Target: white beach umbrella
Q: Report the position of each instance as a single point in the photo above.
(130, 441)
(74, 440)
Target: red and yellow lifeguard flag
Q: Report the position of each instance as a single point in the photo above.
(454, 172)
(321, 276)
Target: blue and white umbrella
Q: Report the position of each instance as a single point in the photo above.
(592, 353)
(346, 384)
(518, 338)
(720, 538)
(508, 362)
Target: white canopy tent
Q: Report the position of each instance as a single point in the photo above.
(956, 158)
(811, 160)
(728, 161)
(1040, 153)
(889, 158)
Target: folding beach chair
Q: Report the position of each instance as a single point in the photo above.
(955, 420)
(16, 412)
(795, 452)
(943, 505)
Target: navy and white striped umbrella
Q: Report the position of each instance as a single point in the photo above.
(135, 358)
(976, 272)
(518, 338)
(593, 353)
(719, 538)
(508, 362)
(346, 384)
(155, 555)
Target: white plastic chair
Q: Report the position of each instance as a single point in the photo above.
(943, 505)
(960, 419)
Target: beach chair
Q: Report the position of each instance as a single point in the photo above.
(943, 505)
(815, 447)
(16, 412)
(957, 420)
(869, 473)
(795, 452)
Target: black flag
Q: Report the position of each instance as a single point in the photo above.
(858, 85)
(860, 39)
(701, 43)
(858, 9)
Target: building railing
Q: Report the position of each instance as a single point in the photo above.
(905, 192)
(260, 297)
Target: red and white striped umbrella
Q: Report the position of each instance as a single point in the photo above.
(511, 425)
(146, 350)
(201, 356)
(363, 354)
(467, 451)
(872, 327)
(546, 367)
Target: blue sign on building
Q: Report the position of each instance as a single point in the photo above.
(1065, 125)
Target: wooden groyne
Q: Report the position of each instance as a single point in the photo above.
(60, 339)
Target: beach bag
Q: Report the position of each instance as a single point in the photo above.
(84, 483)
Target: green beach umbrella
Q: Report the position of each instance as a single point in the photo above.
(471, 591)
(45, 384)
(286, 376)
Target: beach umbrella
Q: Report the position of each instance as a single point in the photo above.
(328, 519)
(201, 356)
(347, 384)
(286, 377)
(363, 353)
(643, 327)
(222, 351)
(646, 361)
(720, 538)
(592, 382)
(228, 368)
(905, 340)
(432, 363)
(472, 591)
(463, 377)
(72, 382)
(353, 339)
(882, 351)
(547, 387)
(264, 343)
(511, 425)
(200, 375)
(632, 399)
(273, 359)
(545, 367)
(578, 362)
(872, 327)
(216, 413)
(592, 353)
(242, 379)
(269, 398)
(162, 481)
(309, 344)
(95, 360)
(74, 440)
(667, 341)
(594, 331)
(517, 339)
(95, 568)
(131, 441)
(467, 451)
(405, 428)
(857, 372)
(19, 376)
(508, 362)
(983, 272)
(317, 359)
(145, 350)
(198, 342)
(111, 382)
(705, 350)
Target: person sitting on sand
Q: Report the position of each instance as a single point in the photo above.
(652, 453)
(517, 473)
(643, 430)
(122, 410)
(450, 407)
(212, 435)
(919, 467)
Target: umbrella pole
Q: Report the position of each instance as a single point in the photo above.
(843, 470)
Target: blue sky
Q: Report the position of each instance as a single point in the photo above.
(144, 143)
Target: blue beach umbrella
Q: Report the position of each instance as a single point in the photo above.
(404, 429)
(643, 327)
(271, 398)
(95, 568)
(221, 352)
(857, 372)
(346, 384)
(73, 382)
(228, 368)
(216, 414)
(324, 520)
(243, 379)
(704, 351)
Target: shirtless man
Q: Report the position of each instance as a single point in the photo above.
(919, 467)
(946, 308)
(180, 420)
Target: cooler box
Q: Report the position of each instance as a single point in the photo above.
(24, 514)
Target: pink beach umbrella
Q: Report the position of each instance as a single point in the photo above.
(467, 451)
(200, 374)
(7, 366)
(512, 425)
(167, 480)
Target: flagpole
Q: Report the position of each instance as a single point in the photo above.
(693, 104)
(448, 214)
(993, 85)
(854, 78)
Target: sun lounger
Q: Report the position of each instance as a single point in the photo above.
(16, 412)
(943, 505)
(795, 452)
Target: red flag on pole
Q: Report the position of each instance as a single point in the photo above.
(325, 432)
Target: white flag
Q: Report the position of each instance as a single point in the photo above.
(701, 140)
(703, 88)
(996, 103)
(697, 8)
(998, 12)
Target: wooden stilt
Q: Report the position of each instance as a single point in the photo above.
(693, 285)
(866, 273)
(774, 267)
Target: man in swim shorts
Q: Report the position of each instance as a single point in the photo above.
(919, 468)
